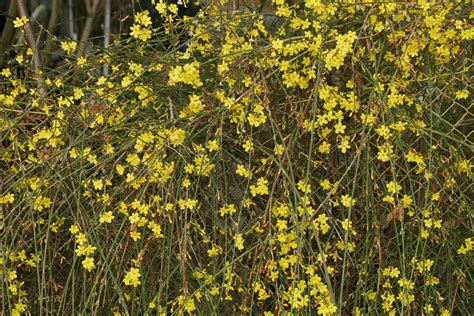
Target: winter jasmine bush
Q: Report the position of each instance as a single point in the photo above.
(312, 159)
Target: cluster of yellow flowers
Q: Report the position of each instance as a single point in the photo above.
(188, 74)
(84, 248)
(141, 28)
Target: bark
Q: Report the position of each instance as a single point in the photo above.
(92, 10)
(53, 22)
(8, 31)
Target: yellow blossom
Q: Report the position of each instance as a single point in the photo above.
(106, 217)
(132, 277)
(20, 21)
(88, 264)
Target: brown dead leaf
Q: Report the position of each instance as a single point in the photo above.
(398, 214)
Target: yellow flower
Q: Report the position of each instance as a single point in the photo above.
(88, 264)
(445, 312)
(189, 305)
(106, 217)
(279, 149)
(161, 7)
(188, 74)
(261, 188)
(41, 203)
(20, 21)
(389, 199)
(98, 184)
(78, 93)
(385, 152)
(277, 44)
(81, 239)
(6, 72)
(133, 160)
(347, 201)
(214, 291)
(248, 145)
(466, 247)
(461, 94)
(214, 251)
(135, 235)
(132, 277)
(243, 172)
(8, 198)
(228, 209)
(177, 137)
(156, 229)
(120, 169)
(335, 57)
(143, 18)
(406, 201)
(393, 187)
(74, 229)
(324, 148)
(126, 81)
(139, 32)
(173, 8)
(239, 241)
(304, 187)
(81, 61)
(186, 183)
(325, 184)
(392, 272)
(339, 128)
(257, 117)
(69, 47)
(195, 106)
(344, 145)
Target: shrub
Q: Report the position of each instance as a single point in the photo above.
(315, 159)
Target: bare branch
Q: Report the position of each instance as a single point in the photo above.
(30, 38)
(106, 31)
(88, 6)
(86, 32)
(53, 21)
(8, 31)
